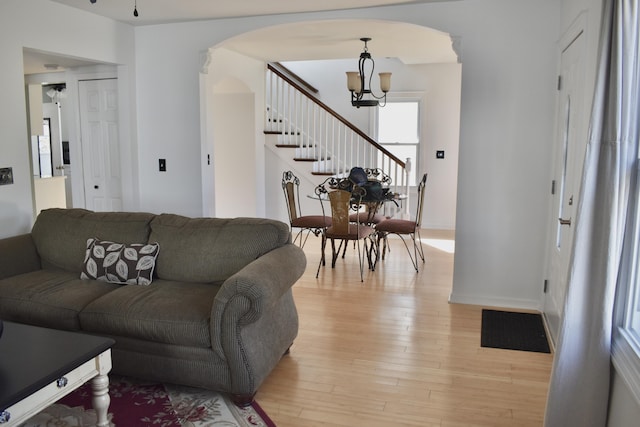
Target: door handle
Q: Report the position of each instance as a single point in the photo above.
(565, 221)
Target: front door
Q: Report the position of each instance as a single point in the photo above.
(100, 144)
(570, 146)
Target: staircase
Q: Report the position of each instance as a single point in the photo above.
(318, 135)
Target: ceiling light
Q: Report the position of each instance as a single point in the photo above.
(359, 83)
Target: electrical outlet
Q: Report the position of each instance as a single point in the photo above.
(162, 165)
(440, 154)
(6, 176)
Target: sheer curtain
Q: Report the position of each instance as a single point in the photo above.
(579, 387)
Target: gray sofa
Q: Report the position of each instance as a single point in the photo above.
(218, 314)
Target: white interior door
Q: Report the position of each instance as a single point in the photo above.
(100, 144)
(569, 157)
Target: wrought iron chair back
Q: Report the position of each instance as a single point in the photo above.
(310, 223)
(343, 198)
(291, 185)
(402, 227)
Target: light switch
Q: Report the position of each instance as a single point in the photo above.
(6, 176)
(162, 165)
(440, 154)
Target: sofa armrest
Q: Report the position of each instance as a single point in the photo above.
(253, 319)
(18, 255)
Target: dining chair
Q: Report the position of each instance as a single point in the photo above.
(310, 223)
(403, 228)
(341, 202)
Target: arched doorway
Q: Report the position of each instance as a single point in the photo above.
(419, 54)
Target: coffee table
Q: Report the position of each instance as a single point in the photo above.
(38, 366)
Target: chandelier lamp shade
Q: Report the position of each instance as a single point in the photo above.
(359, 82)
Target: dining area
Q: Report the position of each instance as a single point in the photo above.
(356, 212)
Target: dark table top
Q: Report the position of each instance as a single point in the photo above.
(32, 357)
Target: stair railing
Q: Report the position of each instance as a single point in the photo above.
(321, 134)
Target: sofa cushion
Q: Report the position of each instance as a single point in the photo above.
(127, 264)
(60, 235)
(213, 248)
(166, 312)
(48, 298)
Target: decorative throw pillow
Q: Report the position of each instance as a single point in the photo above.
(130, 264)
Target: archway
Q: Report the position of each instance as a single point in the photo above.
(416, 51)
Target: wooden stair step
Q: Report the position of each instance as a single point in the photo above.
(291, 146)
(280, 132)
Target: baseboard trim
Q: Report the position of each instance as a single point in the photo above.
(497, 302)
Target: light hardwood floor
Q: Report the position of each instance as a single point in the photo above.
(393, 352)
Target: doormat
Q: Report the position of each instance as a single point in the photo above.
(514, 331)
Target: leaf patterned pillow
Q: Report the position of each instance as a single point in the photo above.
(127, 264)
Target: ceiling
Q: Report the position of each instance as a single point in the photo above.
(335, 39)
(340, 39)
(37, 62)
(165, 11)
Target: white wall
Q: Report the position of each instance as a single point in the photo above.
(234, 153)
(508, 68)
(439, 85)
(234, 87)
(51, 27)
(624, 409)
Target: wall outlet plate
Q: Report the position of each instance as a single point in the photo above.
(6, 176)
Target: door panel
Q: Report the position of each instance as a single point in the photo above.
(569, 157)
(100, 144)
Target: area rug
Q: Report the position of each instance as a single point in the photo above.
(514, 331)
(138, 404)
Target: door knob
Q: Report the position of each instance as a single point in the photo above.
(565, 221)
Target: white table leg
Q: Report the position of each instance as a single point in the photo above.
(100, 399)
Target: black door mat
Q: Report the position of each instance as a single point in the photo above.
(514, 331)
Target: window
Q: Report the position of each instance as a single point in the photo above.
(630, 318)
(626, 340)
(398, 130)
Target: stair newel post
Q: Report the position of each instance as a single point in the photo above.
(335, 136)
(308, 126)
(274, 104)
(287, 109)
(267, 99)
(315, 130)
(407, 171)
(281, 106)
(269, 96)
(294, 112)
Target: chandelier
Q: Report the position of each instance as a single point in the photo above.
(359, 83)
